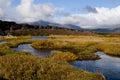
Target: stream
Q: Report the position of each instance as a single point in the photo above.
(109, 66)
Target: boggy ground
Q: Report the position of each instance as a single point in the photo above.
(21, 65)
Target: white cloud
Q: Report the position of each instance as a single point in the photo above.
(5, 3)
(31, 12)
(104, 17)
(26, 11)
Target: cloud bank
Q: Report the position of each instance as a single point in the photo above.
(28, 11)
(104, 17)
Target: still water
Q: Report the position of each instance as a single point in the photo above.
(109, 66)
(28, 48)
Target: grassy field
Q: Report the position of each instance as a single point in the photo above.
(21, 65)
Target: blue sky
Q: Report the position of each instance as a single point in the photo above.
(83, 13)
(74, 5)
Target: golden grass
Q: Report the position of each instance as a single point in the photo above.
(22, 66)
(81, 44)
(15, 37)
(109, 48)
(63, 56)
(27, 67)
(15, 43)
(84, 50)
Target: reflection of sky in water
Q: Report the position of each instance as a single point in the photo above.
(28, 48)
(39, 37)
(108, 65)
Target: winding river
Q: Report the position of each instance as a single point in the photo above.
(109, 66)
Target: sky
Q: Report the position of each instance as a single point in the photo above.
(83, 13)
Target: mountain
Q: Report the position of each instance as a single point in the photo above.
(44, 23)
(74, 27)
(106, 30)
(116, 30)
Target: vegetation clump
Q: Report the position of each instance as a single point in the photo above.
(83, 50)
(28, 67)
(63, 56)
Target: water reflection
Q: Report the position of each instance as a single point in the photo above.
(28, 48)
(39, 37)
(108, 65)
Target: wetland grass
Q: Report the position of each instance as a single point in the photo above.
(28, 67)
(63, 56)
